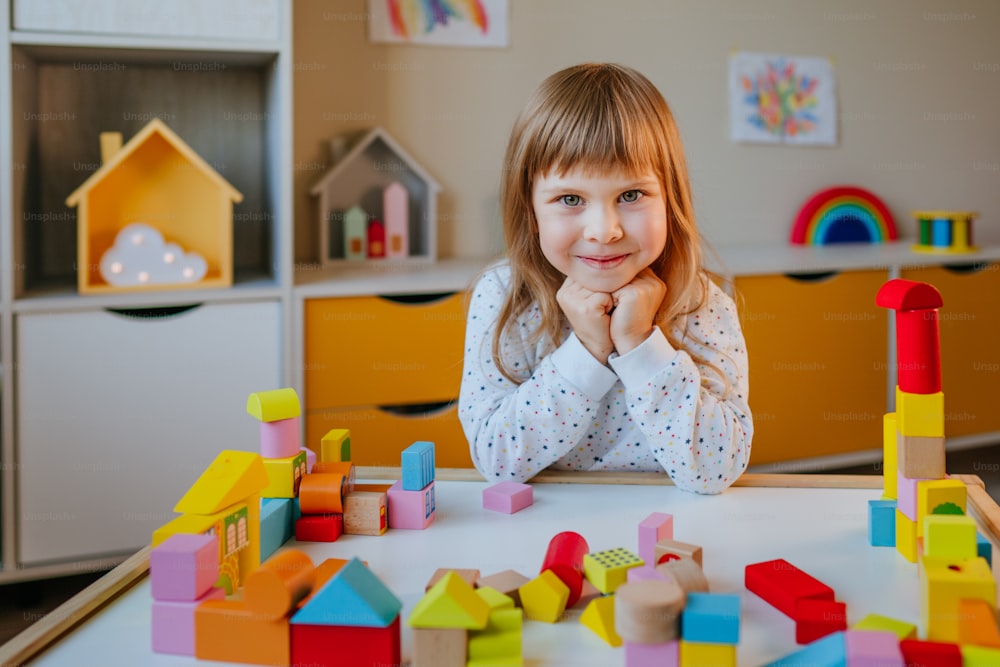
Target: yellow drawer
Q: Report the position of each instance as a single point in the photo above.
(376, 351)
(378, 436)
(818, 363)
(970, 359)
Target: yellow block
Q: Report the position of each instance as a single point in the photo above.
(284, 476)
(335, 445)
(599, 616)
(274, 405)
(700, 654)
(943, 583)
(979, 656)
(450, 603)
(499, 641)
(906, 536)
(608, 570)
(889, 460)
(920, 414)
(941, 496)
(544, 598)
(901, 629)
(495, 599)
(949, 536)
(232, 477)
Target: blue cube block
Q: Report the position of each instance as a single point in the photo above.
(882, 523)
(984, 549)
(828, 651)
(418, 465)
(277, 524)
(711, 618)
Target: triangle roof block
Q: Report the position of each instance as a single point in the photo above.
(232, 477)
(359, 148)
(451, 603)
(354, 597)
(155, 126)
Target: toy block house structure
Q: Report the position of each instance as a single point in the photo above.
(158, 182)
(375, 203)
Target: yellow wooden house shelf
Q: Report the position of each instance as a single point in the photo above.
(155, 179)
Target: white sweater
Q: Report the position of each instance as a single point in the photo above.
(652, 409)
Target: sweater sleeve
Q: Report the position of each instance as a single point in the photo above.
(694, 415)
(517, 430)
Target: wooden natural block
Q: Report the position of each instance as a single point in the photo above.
(469, 575)
(648, 612)
(665, 549)
(365, 513)
(507, 582)
(439, 647)
(687, 573)
(920, 457)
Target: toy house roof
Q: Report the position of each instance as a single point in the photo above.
(353, 596)
(232, 477)
(359, 148)
(155, 126)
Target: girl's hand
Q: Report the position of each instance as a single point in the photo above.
(589, 315)
(635, 307)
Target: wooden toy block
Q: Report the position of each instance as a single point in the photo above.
(950, 536)
(564, 557)
(500, 641)
(918, 355)
(450, 603)
(649, 612)
(882, 523)
(277, 524)
(468, 575)
(711, 617)
(654, 528)
(943, 583)
(906, 536)
(662, 654)
(545, 597)
(984, 548)
(226, 630)
(276, 587)
(365, 513)
(172, 623)
(930, 653)
(274, 405)
(828, 651)
(184, 567)
(495, 599)
(907, 492)
(879, 623)
(606, 570)
(872, 648)
(322, 493)
(919, 415)
(310, 458)
(417, 462)
(280, 439)
(232, 477)
(355, 597)
(920, 457)
(941, 496)
(507, 582)
(782, 585)
(979, 656)
(284, 476)
(323, 573)
(411, 510)
(345, 468)
(978, 623)
(439, 647)
(599, 617)
(319, 527)
(698, 654)
(508, 497)
(815, 618)
(357, 646)
(889, 455)
(335, 445)
(665, 550)
(687, 573)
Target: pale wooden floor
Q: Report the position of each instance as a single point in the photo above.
(24, 603)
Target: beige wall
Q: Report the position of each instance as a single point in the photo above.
(918, 86)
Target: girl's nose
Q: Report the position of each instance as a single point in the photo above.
(603, 225)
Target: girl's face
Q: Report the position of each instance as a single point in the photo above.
(600, 229)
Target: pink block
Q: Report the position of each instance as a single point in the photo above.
(411, 510)
(184, 567)
(173, 623)
(665, 654)
(872, 648)
(655, 527)
(508, 497)
(906, 495)
(280, 439)
(310, 459)
(645, 573)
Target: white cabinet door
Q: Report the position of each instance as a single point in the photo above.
(118, 415)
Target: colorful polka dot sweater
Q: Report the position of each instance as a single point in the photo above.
(653, 408)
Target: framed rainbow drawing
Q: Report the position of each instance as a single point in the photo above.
(843, 214)
(468, 23)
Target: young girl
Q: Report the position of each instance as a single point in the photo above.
(600, 343)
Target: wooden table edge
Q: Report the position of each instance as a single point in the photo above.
(88, 602)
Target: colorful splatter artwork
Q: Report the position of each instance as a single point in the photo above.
(442, 22)
(782, 99)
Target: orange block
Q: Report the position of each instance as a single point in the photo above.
(345, 468)
(226, 630)
(277, 586)
(322, 493)
(978, 624)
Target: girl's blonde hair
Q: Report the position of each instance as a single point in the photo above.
(594, 117)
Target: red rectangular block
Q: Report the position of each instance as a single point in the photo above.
(782, 585)
(817, 617)
(319, 527)
(919, 653)
(346, 646)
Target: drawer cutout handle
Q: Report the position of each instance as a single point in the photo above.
(154, 313)
(418, 409)
(409, 299)
(812, 277)
(967, 269)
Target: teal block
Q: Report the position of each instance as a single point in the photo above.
(828, 651)
(354, 596)
(418, 465)
(882, 523)
(711, 618)
(984, 549)
(277, 524)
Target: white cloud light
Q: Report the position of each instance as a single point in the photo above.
(140, 257)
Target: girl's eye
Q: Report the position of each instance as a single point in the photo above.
(630, 196)
(570, 200)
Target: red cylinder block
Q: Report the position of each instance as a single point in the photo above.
(918, 351)
(565, 558)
